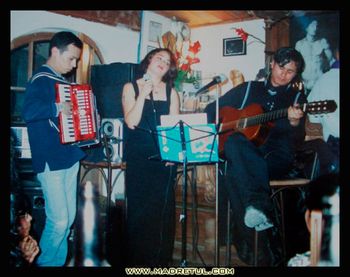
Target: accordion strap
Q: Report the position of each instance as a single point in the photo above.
(53, 125)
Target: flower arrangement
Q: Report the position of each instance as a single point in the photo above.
(185, 58)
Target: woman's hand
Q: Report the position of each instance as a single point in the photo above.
(146, 88)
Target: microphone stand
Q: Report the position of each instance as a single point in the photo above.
(217, 247)
(109, 183)
(183, 216)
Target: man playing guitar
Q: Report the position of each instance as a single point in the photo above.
(250, 165)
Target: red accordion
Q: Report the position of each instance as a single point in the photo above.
(81, 126)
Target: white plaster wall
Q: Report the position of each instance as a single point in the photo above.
(148, 16)
(117, 44)
(212, 61)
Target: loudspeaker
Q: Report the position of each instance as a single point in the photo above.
(33, 195)
(107, 81)
(112, 130)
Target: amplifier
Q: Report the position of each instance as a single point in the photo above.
(112, 129)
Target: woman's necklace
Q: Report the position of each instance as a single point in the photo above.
(157, 88)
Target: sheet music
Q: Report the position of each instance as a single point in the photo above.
(189, 119)
(201, 143)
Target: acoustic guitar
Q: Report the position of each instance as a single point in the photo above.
(255, 124)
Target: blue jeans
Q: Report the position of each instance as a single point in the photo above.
(60, 194)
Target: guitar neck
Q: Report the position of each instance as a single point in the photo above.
(318, 107)
(258, 119)
(262, 118)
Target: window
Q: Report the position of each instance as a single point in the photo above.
(29, 52)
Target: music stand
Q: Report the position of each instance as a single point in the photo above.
(188, 146)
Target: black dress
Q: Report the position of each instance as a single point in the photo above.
(149, 192)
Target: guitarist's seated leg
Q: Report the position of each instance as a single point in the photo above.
(247, 181)
(280, 162)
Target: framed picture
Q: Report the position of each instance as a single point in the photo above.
(155, 30)
(234, 47)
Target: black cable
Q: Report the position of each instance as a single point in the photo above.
(164, 208)
(154, 109)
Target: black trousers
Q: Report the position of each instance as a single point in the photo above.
(249, 169)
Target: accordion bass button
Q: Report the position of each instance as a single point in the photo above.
(82, 112)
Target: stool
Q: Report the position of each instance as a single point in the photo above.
(278, 187)
(107, 178)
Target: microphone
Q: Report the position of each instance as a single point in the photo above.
(146, 77)
(216, 80)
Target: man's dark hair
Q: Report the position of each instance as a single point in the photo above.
(61, 40)
(285, 55)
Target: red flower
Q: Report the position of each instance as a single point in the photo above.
(185, 67)
(177, 55)
(195, 48)
(192, 60)
(184, 60)
(185, 63)
(242, 33)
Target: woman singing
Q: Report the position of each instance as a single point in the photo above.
(149, 183)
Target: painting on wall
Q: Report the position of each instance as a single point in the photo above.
(234, 46)
(316, 38)
(155, 30)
